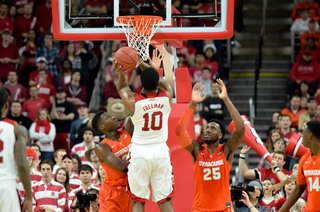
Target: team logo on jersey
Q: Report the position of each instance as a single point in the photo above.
(124, 136)
(52, 193)
(219, 153)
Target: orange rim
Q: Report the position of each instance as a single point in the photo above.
(140, 18)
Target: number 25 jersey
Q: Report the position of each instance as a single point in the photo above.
(211, 173)
(150, 118)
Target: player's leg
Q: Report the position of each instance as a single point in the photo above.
(166, 205)
(138, 206)
(139, 171)
(162, 180)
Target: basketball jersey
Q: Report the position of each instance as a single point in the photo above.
(121, 149)
(7, 141)
(211, 173)
(150, 118)
(309, 173)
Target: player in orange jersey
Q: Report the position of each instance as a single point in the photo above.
(212, 161)
(112, 152)
(308, 171)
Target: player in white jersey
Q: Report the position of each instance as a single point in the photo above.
(149, 159)
(12, 158)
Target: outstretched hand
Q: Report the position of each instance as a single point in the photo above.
(223, 93)
(196, 94)
(157, 57)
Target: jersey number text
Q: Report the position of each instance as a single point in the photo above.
(314, 185)
(210, 174)
(156, 121)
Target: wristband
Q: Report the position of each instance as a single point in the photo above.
(242, 155)
(251, 207)
(242, 158)
(276, 169)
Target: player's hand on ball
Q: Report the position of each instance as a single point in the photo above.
(117, 66)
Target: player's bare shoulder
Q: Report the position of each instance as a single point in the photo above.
(20, 131)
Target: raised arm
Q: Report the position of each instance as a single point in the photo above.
(155, 62)
(243, 169)
(238, 133)
(183, 135)
(105, 154)
(294, 196)
(123, 89)
(22, 164)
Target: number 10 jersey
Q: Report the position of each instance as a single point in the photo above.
(150, 118)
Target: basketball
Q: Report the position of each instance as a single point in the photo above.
(127, 57)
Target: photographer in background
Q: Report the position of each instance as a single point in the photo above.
(86, 202)
(251, 199)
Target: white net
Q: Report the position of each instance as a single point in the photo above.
(139, 31)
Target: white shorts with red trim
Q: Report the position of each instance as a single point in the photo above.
(150, 164)
(9, 199)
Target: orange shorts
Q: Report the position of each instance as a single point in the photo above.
(114, 199)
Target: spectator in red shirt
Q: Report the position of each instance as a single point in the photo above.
(33, 104)
(17, 91)
(76, 94)
(196, 70)
(46, 90)
(307, 69)
(44, 17)
(23, 24)
(277, 173)
(209, 51)
(285, 127)
(34, 76)
(5, 21)
(9, 56)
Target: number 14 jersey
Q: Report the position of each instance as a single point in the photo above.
(150, 118)
(211, 173)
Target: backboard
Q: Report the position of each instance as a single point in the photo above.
(96, 19)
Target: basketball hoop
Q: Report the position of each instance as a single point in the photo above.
(139, 30)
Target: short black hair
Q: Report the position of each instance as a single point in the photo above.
(46, 161)
(4, 97)
(36, 145)
(88, 129)
(221, 125)
(314, 128)
(96, 119)
(85, 167)
(149, 79)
